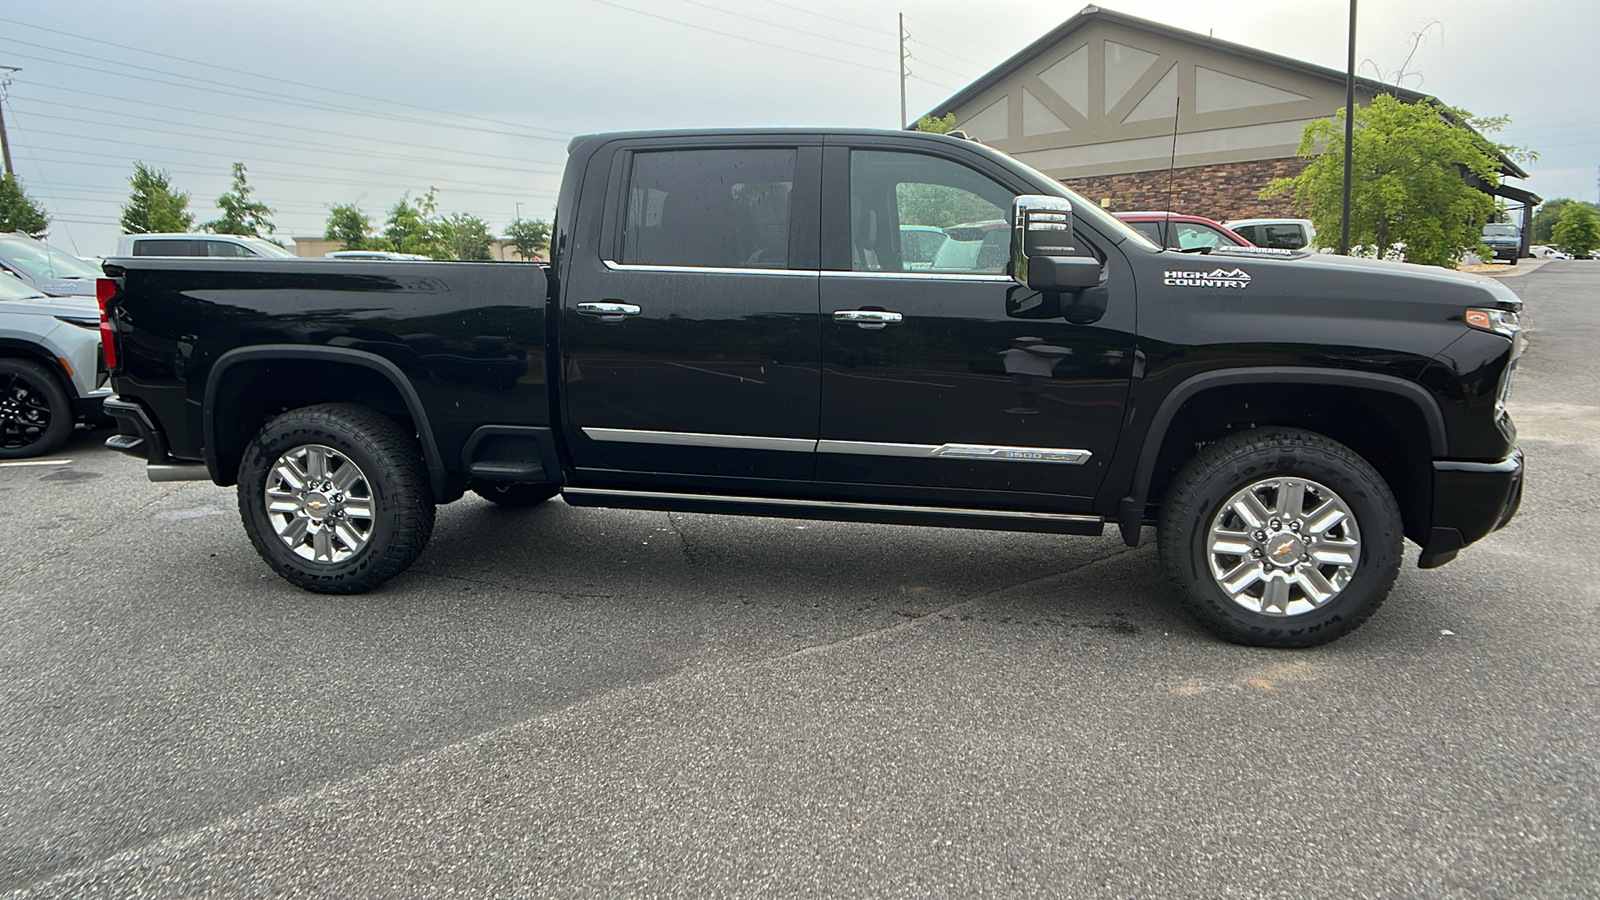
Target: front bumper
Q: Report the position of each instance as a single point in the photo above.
(1470, 500)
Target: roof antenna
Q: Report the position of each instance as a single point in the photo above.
(1172, 169)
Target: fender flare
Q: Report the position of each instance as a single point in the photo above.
(1130, 513)
(438, 477)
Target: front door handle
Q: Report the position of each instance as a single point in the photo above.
(608, 310)
(870, 319)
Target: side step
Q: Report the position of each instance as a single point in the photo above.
(837, 511)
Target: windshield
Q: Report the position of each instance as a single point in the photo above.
(267, 248)
(15, 289)
(42, 260)
(1084, 209)
(1500, 230)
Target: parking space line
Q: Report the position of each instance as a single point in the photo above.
(37, 462)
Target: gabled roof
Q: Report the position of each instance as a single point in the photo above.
(1090, 14)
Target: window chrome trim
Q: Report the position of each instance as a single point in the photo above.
(964, 452)
(834, 504)
(922, 276)
(693, 439)
(959, 452)
(705, 270)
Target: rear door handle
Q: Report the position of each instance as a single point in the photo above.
(609, 310)
(870, 319)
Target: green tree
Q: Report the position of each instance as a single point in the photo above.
(153, 206)
(1549, 213)
(467, 237)
(1578, 232)
(351, 227)
(531, 237)
(240, 214)
(19, 212)
(1407, 186)
(935, 125)
(415, 228)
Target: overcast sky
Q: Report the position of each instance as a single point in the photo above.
(338, 102)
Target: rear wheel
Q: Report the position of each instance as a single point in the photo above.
(35, 412)
(334, 498)
(1280, 538)
(515, 495)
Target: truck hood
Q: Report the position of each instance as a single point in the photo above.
(1335, 278)
(69, 307)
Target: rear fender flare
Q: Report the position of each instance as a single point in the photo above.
(438, 477)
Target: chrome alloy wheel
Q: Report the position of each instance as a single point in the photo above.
(320, 503)
(1284, 546)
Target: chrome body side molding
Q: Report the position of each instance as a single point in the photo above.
(967, 452)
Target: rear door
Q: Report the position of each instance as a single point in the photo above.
(690, 328)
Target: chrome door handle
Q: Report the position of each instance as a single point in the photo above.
(609, 310)
(870, 319)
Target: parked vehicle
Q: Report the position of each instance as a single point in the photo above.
(1281, 234)
(919, 244)
(227, 246)
(1541, 251)
(728, 325)
(1175, 231)
(1504, 240)
(49, 270)
(51, 374)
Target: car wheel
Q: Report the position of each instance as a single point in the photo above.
(35, 411)
(1280, 537)
(335, 498)
(515, 495)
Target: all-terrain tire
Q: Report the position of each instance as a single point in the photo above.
(515, 496)
(1329, 522)
(374, 520)
(36, 414)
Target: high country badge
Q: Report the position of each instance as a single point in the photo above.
(1238, 279)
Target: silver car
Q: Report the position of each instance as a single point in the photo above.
(49, 269)
(51, 372)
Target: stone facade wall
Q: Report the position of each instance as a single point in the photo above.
(1220, 192)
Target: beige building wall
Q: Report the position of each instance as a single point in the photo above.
(1102, 102)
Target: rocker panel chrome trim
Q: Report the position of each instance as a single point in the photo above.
(581, 494)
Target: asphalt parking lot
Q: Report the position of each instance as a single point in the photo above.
(579, 703)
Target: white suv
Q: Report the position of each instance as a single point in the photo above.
(214, 245)
(1282, 234)
(51, 373)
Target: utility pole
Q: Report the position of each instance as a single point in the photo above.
(1349, 133)
(902, 33)
(5, 143)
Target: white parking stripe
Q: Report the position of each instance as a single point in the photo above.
(37, 462)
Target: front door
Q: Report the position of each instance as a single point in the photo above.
(690, 337)
(932, 374)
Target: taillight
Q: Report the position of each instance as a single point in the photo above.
(104, 290)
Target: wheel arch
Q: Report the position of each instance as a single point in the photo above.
(232, 410)
(1399, 415)
(38, 353)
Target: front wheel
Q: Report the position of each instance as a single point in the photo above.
(334, 498)
(1280, 538)
(35, 412)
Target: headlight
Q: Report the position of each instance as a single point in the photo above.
(1499, 321)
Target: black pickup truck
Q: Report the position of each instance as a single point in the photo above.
(731, 323)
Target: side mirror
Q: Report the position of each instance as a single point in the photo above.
(1043, 257)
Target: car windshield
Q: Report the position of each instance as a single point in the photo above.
(15, 289)
(42, 260)
(1084, 209)
(267, 248)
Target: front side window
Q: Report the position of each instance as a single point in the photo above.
(709, 208)
(897, 199)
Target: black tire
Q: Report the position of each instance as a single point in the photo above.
(1203, 496)
(515, 496)
(35, 412)
(389, 495)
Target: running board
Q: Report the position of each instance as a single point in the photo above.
(837, 511)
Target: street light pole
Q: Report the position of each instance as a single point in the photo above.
(1349, 133)
(5, 143)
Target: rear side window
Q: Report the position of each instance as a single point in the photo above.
(725, 209)
(1283, 237)
(1248, 232)
(168, 247)
(1151, 230)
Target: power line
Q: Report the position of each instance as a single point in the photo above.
(737, 37)
(261, 96)
(812, 12)
(826, 37)
(301, 84)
